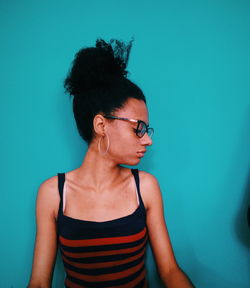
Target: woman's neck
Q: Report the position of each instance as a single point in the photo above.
(99, 170)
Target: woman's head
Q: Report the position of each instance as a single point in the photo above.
(127, 144)
(98, 83)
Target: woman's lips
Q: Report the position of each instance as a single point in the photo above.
(141, 154)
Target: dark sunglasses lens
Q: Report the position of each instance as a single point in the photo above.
(141, 129)
(150, 132)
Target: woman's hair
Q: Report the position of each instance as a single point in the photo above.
(98, 83)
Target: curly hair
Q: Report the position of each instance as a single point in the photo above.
(98, 83)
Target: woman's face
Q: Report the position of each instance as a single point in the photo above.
(125, 146)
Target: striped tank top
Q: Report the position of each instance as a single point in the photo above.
(103, 254)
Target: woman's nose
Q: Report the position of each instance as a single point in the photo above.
(146, 140)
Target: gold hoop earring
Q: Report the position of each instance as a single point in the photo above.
(99, 145)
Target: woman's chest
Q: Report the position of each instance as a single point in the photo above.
(102, 206)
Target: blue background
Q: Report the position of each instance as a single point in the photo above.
(192, 60)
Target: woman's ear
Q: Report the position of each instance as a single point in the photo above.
(99, 123)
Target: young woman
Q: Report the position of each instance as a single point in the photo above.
(102, 214)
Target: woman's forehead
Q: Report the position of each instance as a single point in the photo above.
(135, 109)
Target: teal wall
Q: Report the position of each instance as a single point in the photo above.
(192, 60)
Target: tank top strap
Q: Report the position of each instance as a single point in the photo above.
(137, 181)
(61, 180)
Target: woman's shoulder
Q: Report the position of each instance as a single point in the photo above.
(49, 186)
(146, 177)
(48, 196)
(149, 188)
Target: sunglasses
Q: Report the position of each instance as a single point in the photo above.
(141, 128)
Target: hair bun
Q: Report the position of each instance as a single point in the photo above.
(97, 67)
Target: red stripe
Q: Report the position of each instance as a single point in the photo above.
(128, 285)
(104, 264)
(72, 285)
(103, 253)
(102, 241)
(106, 277)
(133, 282)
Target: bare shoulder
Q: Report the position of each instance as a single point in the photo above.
(147, 178)
(48, 197)
(149, 187)
(49, 187)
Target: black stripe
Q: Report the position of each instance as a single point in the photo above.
(78, 229)
(111, 283)
(107, 270)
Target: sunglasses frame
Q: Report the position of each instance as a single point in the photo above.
(134, 121)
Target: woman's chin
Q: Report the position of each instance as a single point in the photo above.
(133, 162)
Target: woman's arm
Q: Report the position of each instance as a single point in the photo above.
(169, 271)
(46, 236)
